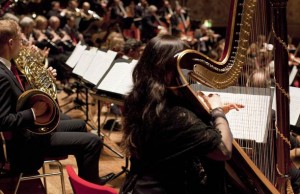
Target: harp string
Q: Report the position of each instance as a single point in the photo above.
(253, 127)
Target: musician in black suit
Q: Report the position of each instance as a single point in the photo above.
(173, 149)
(152, 24)
(26, 150)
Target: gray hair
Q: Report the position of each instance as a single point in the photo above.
(26, 21)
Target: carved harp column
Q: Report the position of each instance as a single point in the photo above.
(279, 29)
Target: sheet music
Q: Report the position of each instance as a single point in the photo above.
(246, 124)
(293, 74)
(294, 104)
(119, 78)
(74, 57)
(84, 61)
(99, 66)
(251, 122)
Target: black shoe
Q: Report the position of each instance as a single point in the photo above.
(106, 178)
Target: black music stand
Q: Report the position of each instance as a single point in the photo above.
(111, 88)
(85, 63)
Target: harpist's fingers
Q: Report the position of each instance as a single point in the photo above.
(234, 105)
(199, 93)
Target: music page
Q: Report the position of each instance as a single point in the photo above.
(76, 54)
(84, 61)
(119, 79)
(251, 122)
(99, 66)
(294, 104)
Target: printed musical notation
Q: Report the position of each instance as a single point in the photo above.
(251, 122)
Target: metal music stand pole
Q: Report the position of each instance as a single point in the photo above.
(102, 135)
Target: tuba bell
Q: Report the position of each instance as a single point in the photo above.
(31, 63)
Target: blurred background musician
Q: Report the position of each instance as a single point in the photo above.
(180, 19)
(90, 21)
(57, 35)
(133, 49)
(55, 10)
(166, 10)
(141, 8)
(131, 22)
(152, 25)
(71, 29)
(72, 9)
(117, 13)
(63, 41)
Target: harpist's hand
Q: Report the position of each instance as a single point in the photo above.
(212, 101)
(229, 106)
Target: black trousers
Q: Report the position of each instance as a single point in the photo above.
(27, 153)
(71, 138)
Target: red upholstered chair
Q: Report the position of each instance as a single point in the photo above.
(81, 186)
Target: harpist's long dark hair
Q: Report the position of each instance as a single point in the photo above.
(148, 97)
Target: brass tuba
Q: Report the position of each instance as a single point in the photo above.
(31, 63)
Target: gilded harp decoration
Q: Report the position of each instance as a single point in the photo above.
(224, 73)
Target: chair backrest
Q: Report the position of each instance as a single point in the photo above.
(81, 186)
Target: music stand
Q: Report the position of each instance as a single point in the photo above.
(80, 60)
(79, 69)
(112, 87)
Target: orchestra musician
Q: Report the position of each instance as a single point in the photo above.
(180, 19)
(63, 46)
(71, 10)
(295, 61)
(55, 9)
(57, 35)
(141, 8)
(117, 12)
(71, 29)
(28, 150)
(167, 141)
(166, 11)
(152, 24)
(90, 21)
(131, 22)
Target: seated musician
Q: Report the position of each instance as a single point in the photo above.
(71, 29)
(133, 49)
(28, 150)
(152, 24)
(131, 22)
(166, 11)
(172, 148)
(180, 19)
(90, 21)
(117, 12)
(71, 10)
(48, 33)
(27, 25)
(55, 9)
(57, 35)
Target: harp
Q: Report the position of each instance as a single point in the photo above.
(256, 166)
